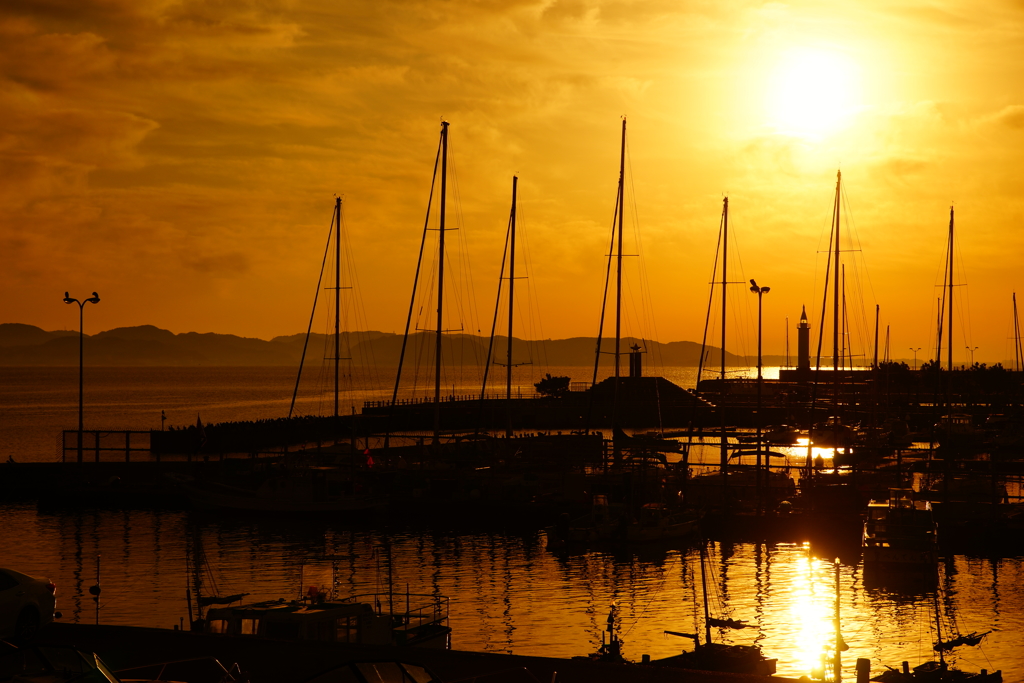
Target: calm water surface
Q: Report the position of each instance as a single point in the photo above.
(508, 593)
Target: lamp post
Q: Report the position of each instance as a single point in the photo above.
(972, 349)
(915, 355)
(760, 291)
(94, 299)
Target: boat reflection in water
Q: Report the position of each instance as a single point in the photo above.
(711, 656)
(358, 619)
(900, 538)
(509, 594)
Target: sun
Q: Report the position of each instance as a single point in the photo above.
(813, 93)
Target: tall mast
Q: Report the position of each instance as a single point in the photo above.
(949, 331)
(725, 270)
(837, 662)
(440, 285)
(835, 293)
(511, 301)
(337, 299)
(724, 455)
(874, 363)
(843, 320)
(618, 255)
(704, 588)
(1017, 364)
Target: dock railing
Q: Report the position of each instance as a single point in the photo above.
(97, 441)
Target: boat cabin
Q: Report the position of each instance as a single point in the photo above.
(423, 623)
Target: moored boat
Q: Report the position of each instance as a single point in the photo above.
(900, 535)
(411, 620)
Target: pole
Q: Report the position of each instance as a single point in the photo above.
(949, 331)
(877, 309)
(511, 301)
(337, 300)
(837, 664)
(618, 255)
(724, 453)
(835, 293)
(81, 378)
(68, 299)
(835, 317)
(760, 420)
(440, 286)
(760, 291)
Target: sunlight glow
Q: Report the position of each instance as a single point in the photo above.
(813, 93)
(810, 611)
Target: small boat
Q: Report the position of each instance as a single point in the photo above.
(900, 535)
(942, 671)
(711, 656)
(422, 621)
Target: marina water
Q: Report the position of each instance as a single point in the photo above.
(508, 593)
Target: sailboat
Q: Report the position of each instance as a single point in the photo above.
(293, 483)
(942, 671)
(712, 656)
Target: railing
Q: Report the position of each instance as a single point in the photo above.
(451, 398)
(95, 441)
(420, 608)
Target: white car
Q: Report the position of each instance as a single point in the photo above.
(26, 604)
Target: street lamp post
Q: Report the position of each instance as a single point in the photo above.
(94, 299)
(915, 355)
(760, 291)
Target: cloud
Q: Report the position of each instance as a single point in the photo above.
(1011, 116)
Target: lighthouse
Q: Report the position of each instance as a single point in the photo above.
(803, 343)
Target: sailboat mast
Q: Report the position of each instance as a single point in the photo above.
(837, 663)
(835, 293)
(949, 331)
(874, 363)
(440, 285)
(618, 255)
(511, 301)
(704, 588)
(844, 320)
(725, 270)
(724, 455)
(938, 623)
(337, 299)
(1017, 364)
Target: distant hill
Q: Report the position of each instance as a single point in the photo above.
(146, 345)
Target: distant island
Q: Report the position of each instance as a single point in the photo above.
(146, 345)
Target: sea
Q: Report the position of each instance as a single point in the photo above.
(508, 592)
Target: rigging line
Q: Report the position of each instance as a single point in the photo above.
(533, 302)
(855, 233)
(497, 303)
(412, 302)
(824, 298)
(746, 324)
(604, 298)
(711, 296)
(309, 329)
(367, 359)
(471, 312)
(648, 326)
(965, 301)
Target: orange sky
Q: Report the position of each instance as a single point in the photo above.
(181, 158)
